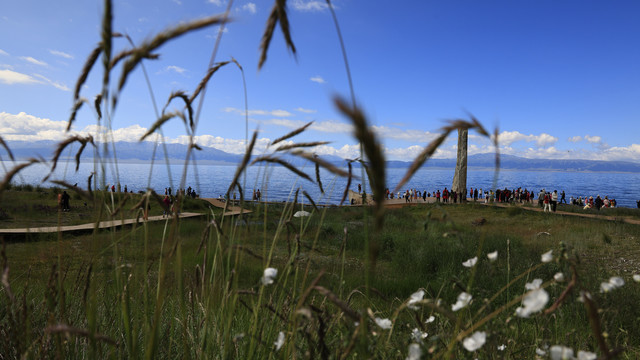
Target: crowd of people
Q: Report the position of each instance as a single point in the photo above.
(547, 200)
(475, 194)
(597, 203)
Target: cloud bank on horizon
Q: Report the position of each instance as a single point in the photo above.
(25, 127)
(554, 81)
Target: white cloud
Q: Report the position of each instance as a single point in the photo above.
(281, 113)
(345, 152)
(177, 2)
(12, 77)
(322, 126)
(293, 124)
(574, 139)
(55, 84)
(277, 112)
(509, 137)
(6, 66)
(624, 153)
(131, 133)
(545, 139)
(593, 139)
(250, 7)
(306, 111)
(233, 146)
(215, 2)
(216, 32)
(318, 79)
(23, 126)
(405, 135)
(33, 61)
(309, 5)
(174, 68)
(61, 54)
(2, 52)
(331, 126)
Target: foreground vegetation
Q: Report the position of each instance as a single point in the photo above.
(138, 293)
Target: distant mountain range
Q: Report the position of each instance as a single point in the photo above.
(142, 152)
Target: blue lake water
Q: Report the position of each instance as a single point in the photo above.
(278, 184)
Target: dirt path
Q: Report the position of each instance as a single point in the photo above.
(397, 203)
(592, 216)
(88, 226)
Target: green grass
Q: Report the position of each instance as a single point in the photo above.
(420, 247)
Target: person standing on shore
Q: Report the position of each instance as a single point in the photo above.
(562, 198)
(554, 200)
(65, 201)
(598, 202)
(541, 197)
(547, 203)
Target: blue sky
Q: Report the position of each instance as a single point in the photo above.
(560, 79)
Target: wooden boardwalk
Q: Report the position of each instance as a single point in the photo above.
(231, 209)
(88, 226)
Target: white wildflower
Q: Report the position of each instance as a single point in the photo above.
(269, 275)
(586, 355)
(430, 319)
(540, 352)
(583, 295)
(383, 323)
(493, 256)
(559, 352)
(547, 257)
(415, 352)
(418, 335)
(278, 344)
(534, 285)
(533, 302)
(502, 347)
(471, 262)
(558, 277)
(636, 277)
(463, 300)
(613, 283)
(301, 213)
(617, 281)
(415, 298)
(475, 341)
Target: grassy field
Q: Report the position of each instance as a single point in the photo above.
(137, 292)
